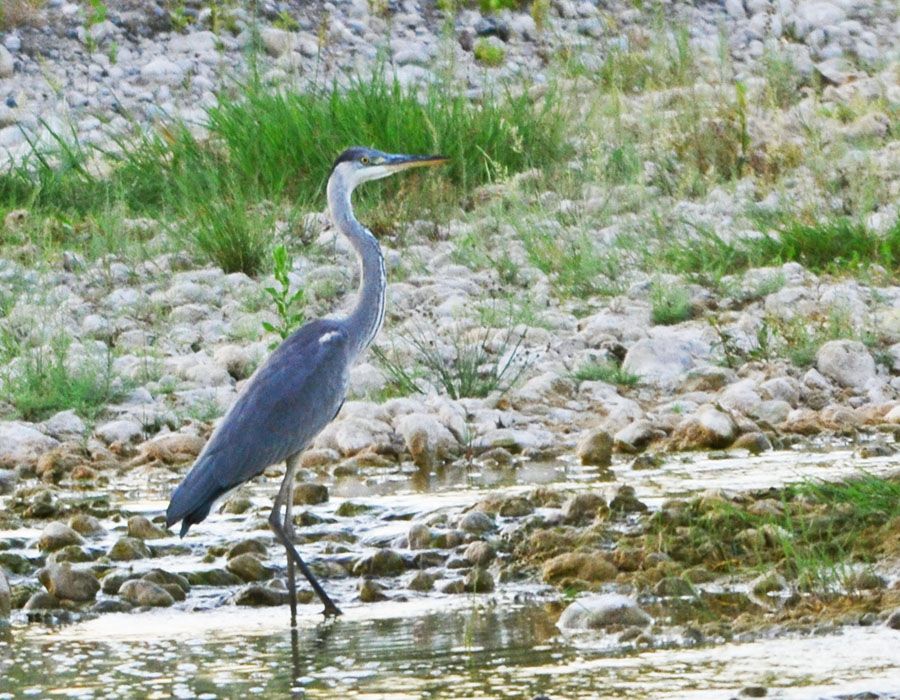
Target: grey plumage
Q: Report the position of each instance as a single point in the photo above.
(302, 385)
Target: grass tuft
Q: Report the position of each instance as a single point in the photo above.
(670, 304)
(608, 372)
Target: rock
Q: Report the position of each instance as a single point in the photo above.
(162, 70)
(257, 596)
(478, 580)
(213, 577)
(65, 425)
(476, 522)
(625, 501)
(249, 568)
(419, 536)
(578, 565)
(141, 528)
(236, 505)
(600, 612)
(865, 581)
(428, 441)
(755, 443)
(277, 42)
(674, 587)
(5, 598)
(22, 444)
(661, 362)
(583, 508)
(847, 362)
(771, 582)
(85, 524)
(595, 448)
(128, 549)
(480, 553)
(56, 536)
(251, 546)
(146, 594)
(515, 507)
(7, 65)
(893, 620)
(370, 591)
(66, 583)
(236, 360)
(385, 562)
(42, 601)
(171, 448)
(635, 436)
(708, 428)
(167, 579)
(309, 494)
(422, 581)
(119, 431)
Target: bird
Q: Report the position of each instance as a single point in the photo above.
(302, 385)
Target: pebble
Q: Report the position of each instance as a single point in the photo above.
(62, 581)
(146, 594)
(56, 536)
(249, 568)
(128, 549)
(603, 611)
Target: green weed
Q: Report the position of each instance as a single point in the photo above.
(287, 305)
(670, 304)
(488, 54)
(575, 267)
(608, 372)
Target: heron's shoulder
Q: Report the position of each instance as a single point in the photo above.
(320, 334)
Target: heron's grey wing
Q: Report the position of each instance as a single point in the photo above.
(289, 399)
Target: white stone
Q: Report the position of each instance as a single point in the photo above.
(847, 362)
(119, 431)
(277, 41)
(7, 65)
(22, 443)
(661, 362)
(64, 425)
(162, 70)
(195, 42)
(424, 434)
(602, 611)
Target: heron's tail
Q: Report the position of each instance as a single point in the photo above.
(194, 497)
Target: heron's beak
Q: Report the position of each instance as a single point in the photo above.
(397, 163)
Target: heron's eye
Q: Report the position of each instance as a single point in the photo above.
(364, 160)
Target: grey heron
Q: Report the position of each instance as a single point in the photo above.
(302, 385)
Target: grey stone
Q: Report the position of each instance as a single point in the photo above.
(385, 562)
(595, 448)
(480, 553)
(128, 549)
(119, 431)
(249, 568)
(476, 522)
(141, 528)
(7, 65)
(64, 582)
(146, 594)
(600, 612)
(162, 70)
(56, 536)
(478, 580)
(847, 362)
(5, 598)
(22, 444)
(64, 425)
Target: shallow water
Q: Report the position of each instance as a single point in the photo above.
(427, 645)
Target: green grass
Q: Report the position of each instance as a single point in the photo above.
(608, 372)
(471, 369)
(815, 532)
(488, 54)
(267, 151)
(573, 263)
(838, 246)
(46, 382)
(670, 304)
(667, 62)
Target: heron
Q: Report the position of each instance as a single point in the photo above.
(301, 387)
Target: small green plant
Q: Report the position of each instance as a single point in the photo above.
(470, 370)
(670, 304)
(574, 264)
(96, 15)
(488, 54)
(608, 372)
(286, 21)
(287, 305)
(45, 382)
(488, 6)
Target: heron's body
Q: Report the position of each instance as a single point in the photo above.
(302, 385)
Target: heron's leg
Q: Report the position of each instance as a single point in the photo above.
(290, 470)
(278, 527)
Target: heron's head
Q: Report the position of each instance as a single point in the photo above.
(357, 165)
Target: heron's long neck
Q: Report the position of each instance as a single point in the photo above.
(366, 317)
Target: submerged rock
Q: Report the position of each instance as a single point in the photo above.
(600, 612)
(371, 591)
(64, 582)
(385, 562)
(422, 581)
(309, 494)
(85, 524)
(479, 580)
(257, 596)
(146, 594)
